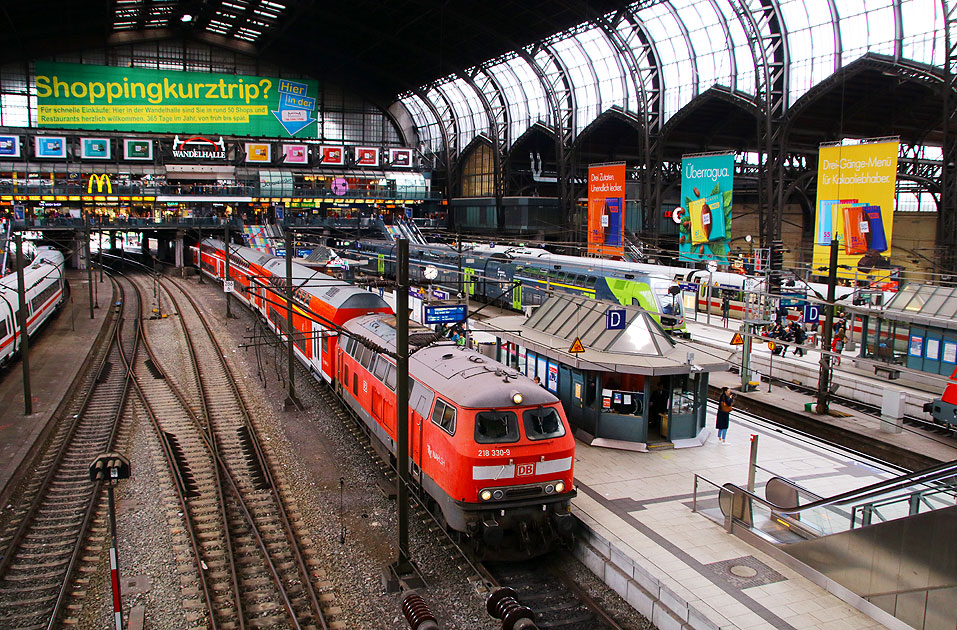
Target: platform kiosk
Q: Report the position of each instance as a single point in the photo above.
(632, 386)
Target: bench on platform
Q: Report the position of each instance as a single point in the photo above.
(890, 372)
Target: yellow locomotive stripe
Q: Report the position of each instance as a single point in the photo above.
(559, 284)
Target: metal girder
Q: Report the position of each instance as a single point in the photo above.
(496, 110)
(447, 142)
(641, 59)
(560, 94)
(947, 217)
(764, 25)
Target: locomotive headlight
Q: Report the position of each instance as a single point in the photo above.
(517, 398)
(560, 486)
(486, 495)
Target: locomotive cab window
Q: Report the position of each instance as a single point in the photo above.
(543, 423)
(444, 417)
(496, 427)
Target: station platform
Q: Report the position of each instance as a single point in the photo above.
(855, 379)
(683, 570)
(57, 354)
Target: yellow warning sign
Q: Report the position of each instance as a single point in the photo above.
(737, 340)
(771, 346)
(577, 346)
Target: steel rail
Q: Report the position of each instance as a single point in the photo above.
(262, 460)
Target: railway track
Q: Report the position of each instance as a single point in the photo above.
(43, 541)
(873, 410)
(554, 596)
(251, 567)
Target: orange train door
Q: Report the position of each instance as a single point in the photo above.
(415, 441)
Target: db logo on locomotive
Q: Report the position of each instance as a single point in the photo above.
(525, 470)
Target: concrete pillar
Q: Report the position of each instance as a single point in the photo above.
(145, 244)
(178, 250)
(79, 250)
(113, 237)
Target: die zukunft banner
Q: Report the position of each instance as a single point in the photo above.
(81, 96)
(606, 209)
(704, 229)
(855, 206)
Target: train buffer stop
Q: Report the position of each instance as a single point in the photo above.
(634, 388)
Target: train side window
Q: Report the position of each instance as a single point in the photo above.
(543, 423)
(390, 377)
(592, 280)
(381, 368)
(355, 384)
(3, 328)
(325, 342)
(496, 427)
(350, 346)
(364, 356)
(444, 417)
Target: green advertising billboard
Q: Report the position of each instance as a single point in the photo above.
(80, 96)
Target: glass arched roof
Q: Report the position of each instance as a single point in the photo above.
(691, 46)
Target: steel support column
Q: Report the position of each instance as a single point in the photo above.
(947, 215)
(763, 23)
(496, 110)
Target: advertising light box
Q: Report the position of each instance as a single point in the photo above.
(83, 96)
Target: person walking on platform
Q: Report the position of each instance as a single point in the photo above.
(838, 344)
(725, 405)
(725, 310)
(797, 330)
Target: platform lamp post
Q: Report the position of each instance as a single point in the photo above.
(229, 314)
(24, 337)
(403, 565)
(291, 399)
(89, 271)
(109, 468)
(823, 381)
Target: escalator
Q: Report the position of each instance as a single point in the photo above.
(891, 543)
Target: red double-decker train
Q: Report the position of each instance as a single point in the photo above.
(490, 450)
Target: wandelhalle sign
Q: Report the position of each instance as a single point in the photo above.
(81, 96)
(199, 148)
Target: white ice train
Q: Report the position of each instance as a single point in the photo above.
(44, 281)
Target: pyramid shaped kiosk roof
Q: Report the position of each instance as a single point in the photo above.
(642, 347)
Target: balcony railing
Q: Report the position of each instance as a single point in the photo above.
(81, 189)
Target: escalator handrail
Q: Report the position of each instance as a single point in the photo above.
(934, 473)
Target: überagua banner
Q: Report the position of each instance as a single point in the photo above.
(81, 96)
(704, 222)
(855, 206)
(606, 209)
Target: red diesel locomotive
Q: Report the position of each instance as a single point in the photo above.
(491, 450)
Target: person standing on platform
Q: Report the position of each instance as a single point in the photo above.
(725, 405)
(838, 344)
(799, 338)
(725, 309)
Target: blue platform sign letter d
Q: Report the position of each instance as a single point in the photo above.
(615, 319)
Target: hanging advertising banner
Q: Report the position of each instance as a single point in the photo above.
(95, 148)
(50, 147)
(606, 208)
(295, 154)
(10, 146)
(400, 158)
(258, 152)
(137, 149)
(704, 221)
(367, 156)
(199, 148)
(855, 206)
(83, 96)
(331, 155)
